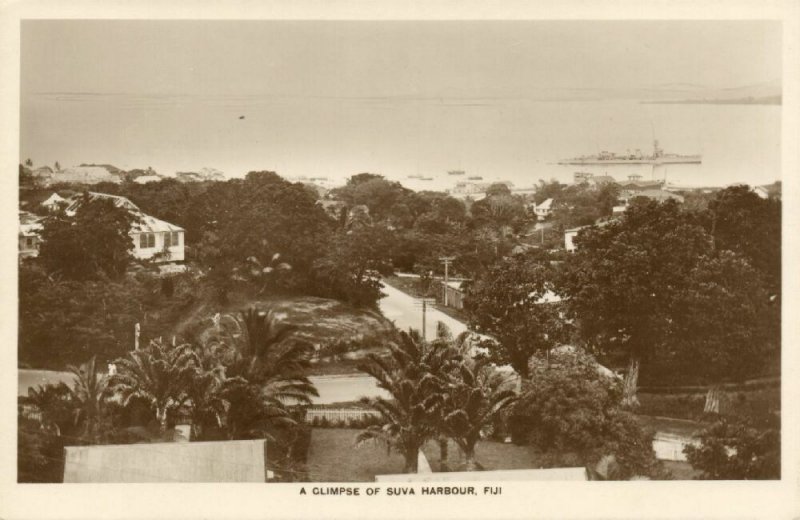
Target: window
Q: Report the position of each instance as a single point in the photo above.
(172, 239)
(147, 240)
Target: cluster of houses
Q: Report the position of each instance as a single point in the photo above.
(633, 188)
(630, 189)
(91, 174)
(153, 239)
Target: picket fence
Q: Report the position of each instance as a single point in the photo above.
(339, 415)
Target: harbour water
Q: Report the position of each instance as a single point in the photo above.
(519, 140)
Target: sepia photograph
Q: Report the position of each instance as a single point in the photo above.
(424, 257)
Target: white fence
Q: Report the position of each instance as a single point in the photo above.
(339, 415)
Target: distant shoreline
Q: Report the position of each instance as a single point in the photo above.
(768, 100)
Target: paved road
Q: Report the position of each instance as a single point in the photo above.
(337, 389)
(404, 311)
(34, 378)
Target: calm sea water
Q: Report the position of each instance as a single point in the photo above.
(499, 139)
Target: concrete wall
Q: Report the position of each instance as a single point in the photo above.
(231, 461)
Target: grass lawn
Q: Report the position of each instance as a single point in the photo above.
(333, 458)
(489, 454)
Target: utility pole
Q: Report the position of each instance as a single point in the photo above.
(423, 302)
(424, 308)
(136, 330)
(446, 260)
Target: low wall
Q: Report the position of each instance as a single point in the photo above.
(228, 461)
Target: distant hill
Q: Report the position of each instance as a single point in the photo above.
(768, 93)
(767, 100)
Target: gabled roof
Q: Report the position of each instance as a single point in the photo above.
(144, 224)
(149, 224)
(546, 205)
(119, 201)
(53, 200)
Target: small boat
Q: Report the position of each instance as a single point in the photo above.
(426, 178)
(456, 172)
(475, 178)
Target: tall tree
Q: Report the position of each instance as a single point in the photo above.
(625, 277)
(411, 376)
(354, 264)
(743, 222)
(92, 244)
(512, 302)
(475, 394)
(724, 326)
(159, 374)
(89, 396)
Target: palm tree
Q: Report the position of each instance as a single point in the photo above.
(263, 273)
(477, 392)
(54, 405)
(160, 374)
(264, 332)
(259, 392)
(88, 393)
(204, 391)
(411, 375)
(456, 349)
(266, 377)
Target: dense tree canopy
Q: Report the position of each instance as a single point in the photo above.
(751, 226)
(510, 302)
(652, 286)
(65, 322)
(94, 243)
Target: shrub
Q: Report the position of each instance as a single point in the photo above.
(572, 408)
(733, 449)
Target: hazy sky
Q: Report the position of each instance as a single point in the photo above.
(135, 92)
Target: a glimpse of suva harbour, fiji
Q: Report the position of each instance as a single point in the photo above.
(416, 141)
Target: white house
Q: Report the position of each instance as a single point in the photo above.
(54, 201)
(569, 237)
(544, 210)
(761, 191)
(153, 239)
(29, 239)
